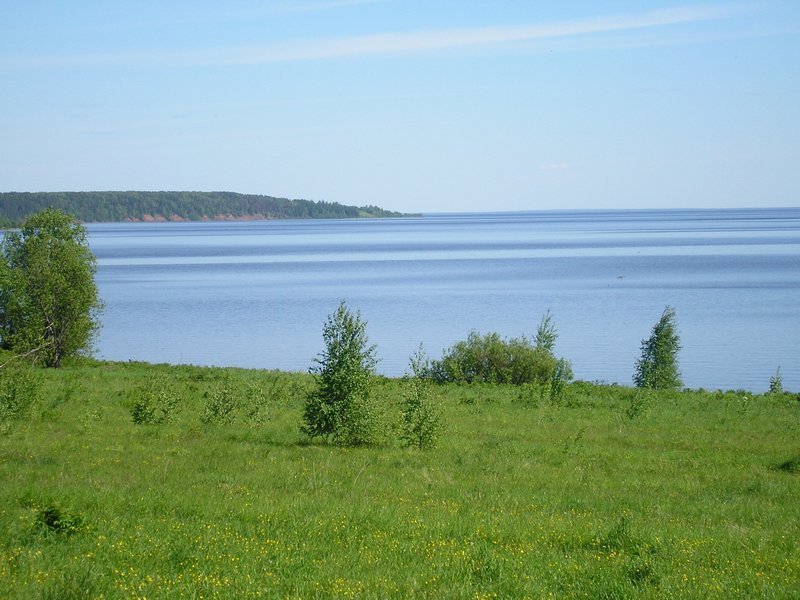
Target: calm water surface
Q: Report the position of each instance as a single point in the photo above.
(256, 294)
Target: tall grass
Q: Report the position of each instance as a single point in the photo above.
(578, 499)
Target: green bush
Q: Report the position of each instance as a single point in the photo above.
(492, 359)
(340, 406)
(54, 519)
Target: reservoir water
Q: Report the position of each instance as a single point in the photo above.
(256, 294)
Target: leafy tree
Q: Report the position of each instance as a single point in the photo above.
(48, 298)
(658, 366)
(340, 406)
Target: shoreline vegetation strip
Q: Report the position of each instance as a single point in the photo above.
(607, 493)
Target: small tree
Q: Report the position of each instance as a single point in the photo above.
(546, 334)
(776, 383)
(48, 298)
(340, 406)
(658, 366)
(422, 423)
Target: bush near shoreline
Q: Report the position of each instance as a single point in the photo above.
(611, 492)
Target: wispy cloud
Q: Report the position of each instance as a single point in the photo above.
(383, 44)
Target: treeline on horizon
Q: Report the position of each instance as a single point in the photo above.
(99, 207)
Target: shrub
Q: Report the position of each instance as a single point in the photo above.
(422, 424)
(255, 405)
(658, 366)
(155, 403)
(227, 403)
(340, 406)
(492, 359)
(20, 389)
(221, 404)
(558, 380)
(552, 390)
(638, 404)
(54, 519)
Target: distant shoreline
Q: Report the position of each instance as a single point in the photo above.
(147, 218)
(154, 207)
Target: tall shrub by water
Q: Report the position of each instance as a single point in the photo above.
(490, 358)
(658, 366)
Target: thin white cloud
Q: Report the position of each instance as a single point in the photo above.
(386, 43)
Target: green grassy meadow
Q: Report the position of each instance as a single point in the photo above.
(608, 494)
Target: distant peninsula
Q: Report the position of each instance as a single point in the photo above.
(103, 207)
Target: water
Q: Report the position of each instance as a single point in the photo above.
(256, 294)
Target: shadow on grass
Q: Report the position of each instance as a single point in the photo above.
(790, 466)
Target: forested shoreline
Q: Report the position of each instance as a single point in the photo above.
(98, 207)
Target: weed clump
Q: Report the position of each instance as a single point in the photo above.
(790, 466)
(56, 520)
(155, 403)
(226, 403)
(20, 389)
(638, 404)
(221, 404)
(255, 405)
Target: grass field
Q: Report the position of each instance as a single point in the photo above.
(609, 494)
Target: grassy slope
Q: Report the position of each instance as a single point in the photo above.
(518, 501)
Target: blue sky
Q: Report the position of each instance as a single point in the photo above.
(412, 105)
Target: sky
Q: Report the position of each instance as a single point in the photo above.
(412, 105)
